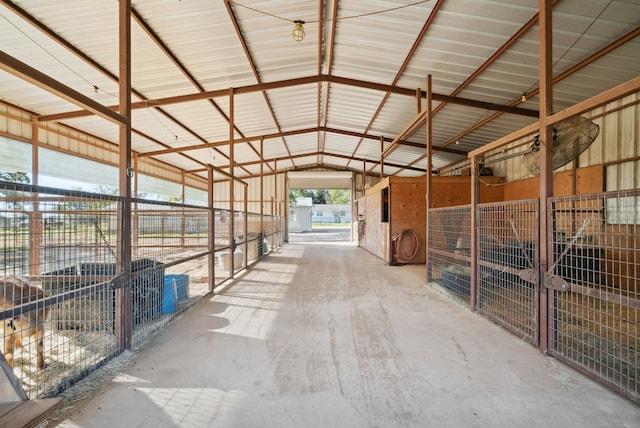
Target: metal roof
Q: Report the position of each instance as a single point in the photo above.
(336, 99)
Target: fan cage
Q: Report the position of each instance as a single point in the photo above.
(571, 138)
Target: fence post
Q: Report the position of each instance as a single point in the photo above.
(123, 294)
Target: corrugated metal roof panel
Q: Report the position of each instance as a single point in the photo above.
(267, 27)
(373, 39)
(351, 108)
(392, 118)
(301, 144)
(203, 38)
(275, 148)
(295, 107)
(342, 144)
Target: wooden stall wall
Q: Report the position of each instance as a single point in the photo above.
(621, 268)
(581, 182)
(407, 210)
(449, 191)
(376, 232)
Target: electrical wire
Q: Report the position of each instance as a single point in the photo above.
(575, 42)
(413, 246)
(46, 51)
(328, 20)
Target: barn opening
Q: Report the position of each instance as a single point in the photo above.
(320, 205)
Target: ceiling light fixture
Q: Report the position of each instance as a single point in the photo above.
(298, 30)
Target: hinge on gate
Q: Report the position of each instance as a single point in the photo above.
(119, 281)
(554, 282)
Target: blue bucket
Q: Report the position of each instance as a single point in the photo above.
(169, 301)
(181, 283)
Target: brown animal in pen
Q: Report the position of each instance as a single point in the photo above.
(15, 292)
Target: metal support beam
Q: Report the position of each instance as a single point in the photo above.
(212, 230)
(123, 295)
(473, 229)
(232, 184)
(260, 87)
(381, 157)
(262, 187)
(429, 169)
(29, 74)
(546, 167)
(35, 226)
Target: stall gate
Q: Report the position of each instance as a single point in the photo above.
(508, 265)
(591, 279)
(595, 301)
(449, 260)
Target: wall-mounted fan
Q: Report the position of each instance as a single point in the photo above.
(571, 137)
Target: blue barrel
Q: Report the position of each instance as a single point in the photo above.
(169, 301)
(181, 284)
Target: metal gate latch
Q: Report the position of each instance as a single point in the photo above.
(554, 282)
(119, 281)
(529, 275)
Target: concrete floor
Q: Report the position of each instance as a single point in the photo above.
(327, 335)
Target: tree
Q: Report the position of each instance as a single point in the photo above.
(15, 177)
(106, 190)
(321, 197)
(339, 197)
(299, 193)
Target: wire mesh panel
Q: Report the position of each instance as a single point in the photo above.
(256, 244)
(594, 323)
(169, 260)
(268, 231)
(60, 260)
(239, 240)
(229, 250)
(450, 248)
(507, 248)
(58, 313)
(222, 243)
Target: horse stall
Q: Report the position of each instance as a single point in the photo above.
(586, 310)
(392, 214)
(75, 264)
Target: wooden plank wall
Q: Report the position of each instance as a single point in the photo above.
(374, 239)
(408, 211)
(455, 190)
(407, 207)
(584, 181)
